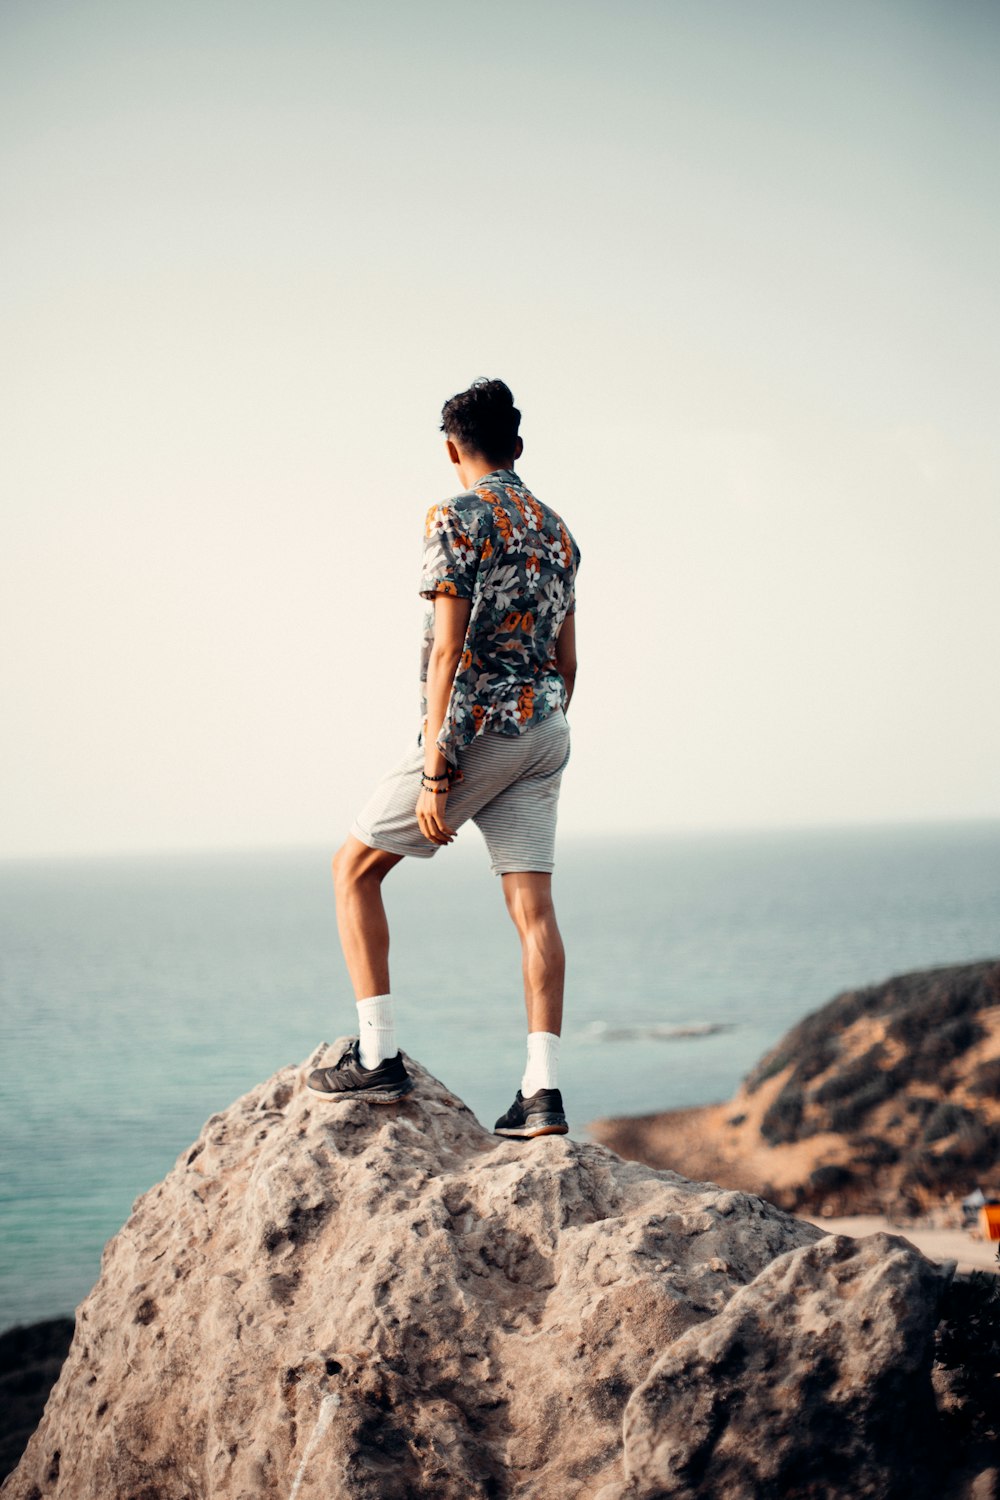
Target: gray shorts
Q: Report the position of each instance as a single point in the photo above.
(510, 791)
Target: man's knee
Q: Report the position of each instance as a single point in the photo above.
(345, 869)
(529, 902)
(348, 869)
(354, 863)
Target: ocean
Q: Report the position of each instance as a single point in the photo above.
(142, 994)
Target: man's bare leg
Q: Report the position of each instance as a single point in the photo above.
(358, 873)
(372, 1068)
(543, 960)
(538, 1108)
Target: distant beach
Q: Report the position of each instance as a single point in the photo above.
(930, 1237)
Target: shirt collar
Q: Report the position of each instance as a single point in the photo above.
(498, 474)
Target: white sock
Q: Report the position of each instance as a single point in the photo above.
(376, 1030)
(542, 1071)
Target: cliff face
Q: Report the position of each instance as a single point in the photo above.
(882, 1101)
(344, 1300)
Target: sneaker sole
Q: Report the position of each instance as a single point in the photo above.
(528, 1132)
(371, 1096)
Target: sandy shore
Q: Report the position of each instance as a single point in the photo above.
(935, 1243)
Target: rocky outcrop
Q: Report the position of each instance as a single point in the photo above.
(884, 1100)
(727, 1397)
(327, 1300)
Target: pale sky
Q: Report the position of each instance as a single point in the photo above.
(738, 263)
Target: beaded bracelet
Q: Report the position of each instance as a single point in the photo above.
(437, 791)
(445, 776)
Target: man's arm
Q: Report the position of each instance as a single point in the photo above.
(451, 619)
(566, 654)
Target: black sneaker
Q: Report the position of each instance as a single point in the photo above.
(542, 1114)
(350, 1080)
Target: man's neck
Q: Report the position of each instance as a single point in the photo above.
(472, 468)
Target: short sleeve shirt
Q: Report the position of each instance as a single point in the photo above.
(516, 561)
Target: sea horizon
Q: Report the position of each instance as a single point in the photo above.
(566, 836)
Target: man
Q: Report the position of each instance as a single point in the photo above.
(498, 668)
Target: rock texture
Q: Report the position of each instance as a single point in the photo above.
(882, 1101)
(842, 1329)
(328, 1300)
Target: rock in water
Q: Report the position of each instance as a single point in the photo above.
(326, 1300)
(31, 1357)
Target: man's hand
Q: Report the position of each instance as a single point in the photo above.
(431, 819)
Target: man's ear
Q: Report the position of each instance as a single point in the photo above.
(518, 449)
(453, 454)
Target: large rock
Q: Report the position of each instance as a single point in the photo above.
(328, 1300)
(841, 1333)
(886, 1100)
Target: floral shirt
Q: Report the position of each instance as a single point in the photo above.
(514, 558)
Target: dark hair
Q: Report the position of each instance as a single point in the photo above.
(483, 420)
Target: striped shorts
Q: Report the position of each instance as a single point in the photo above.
(510, 791)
